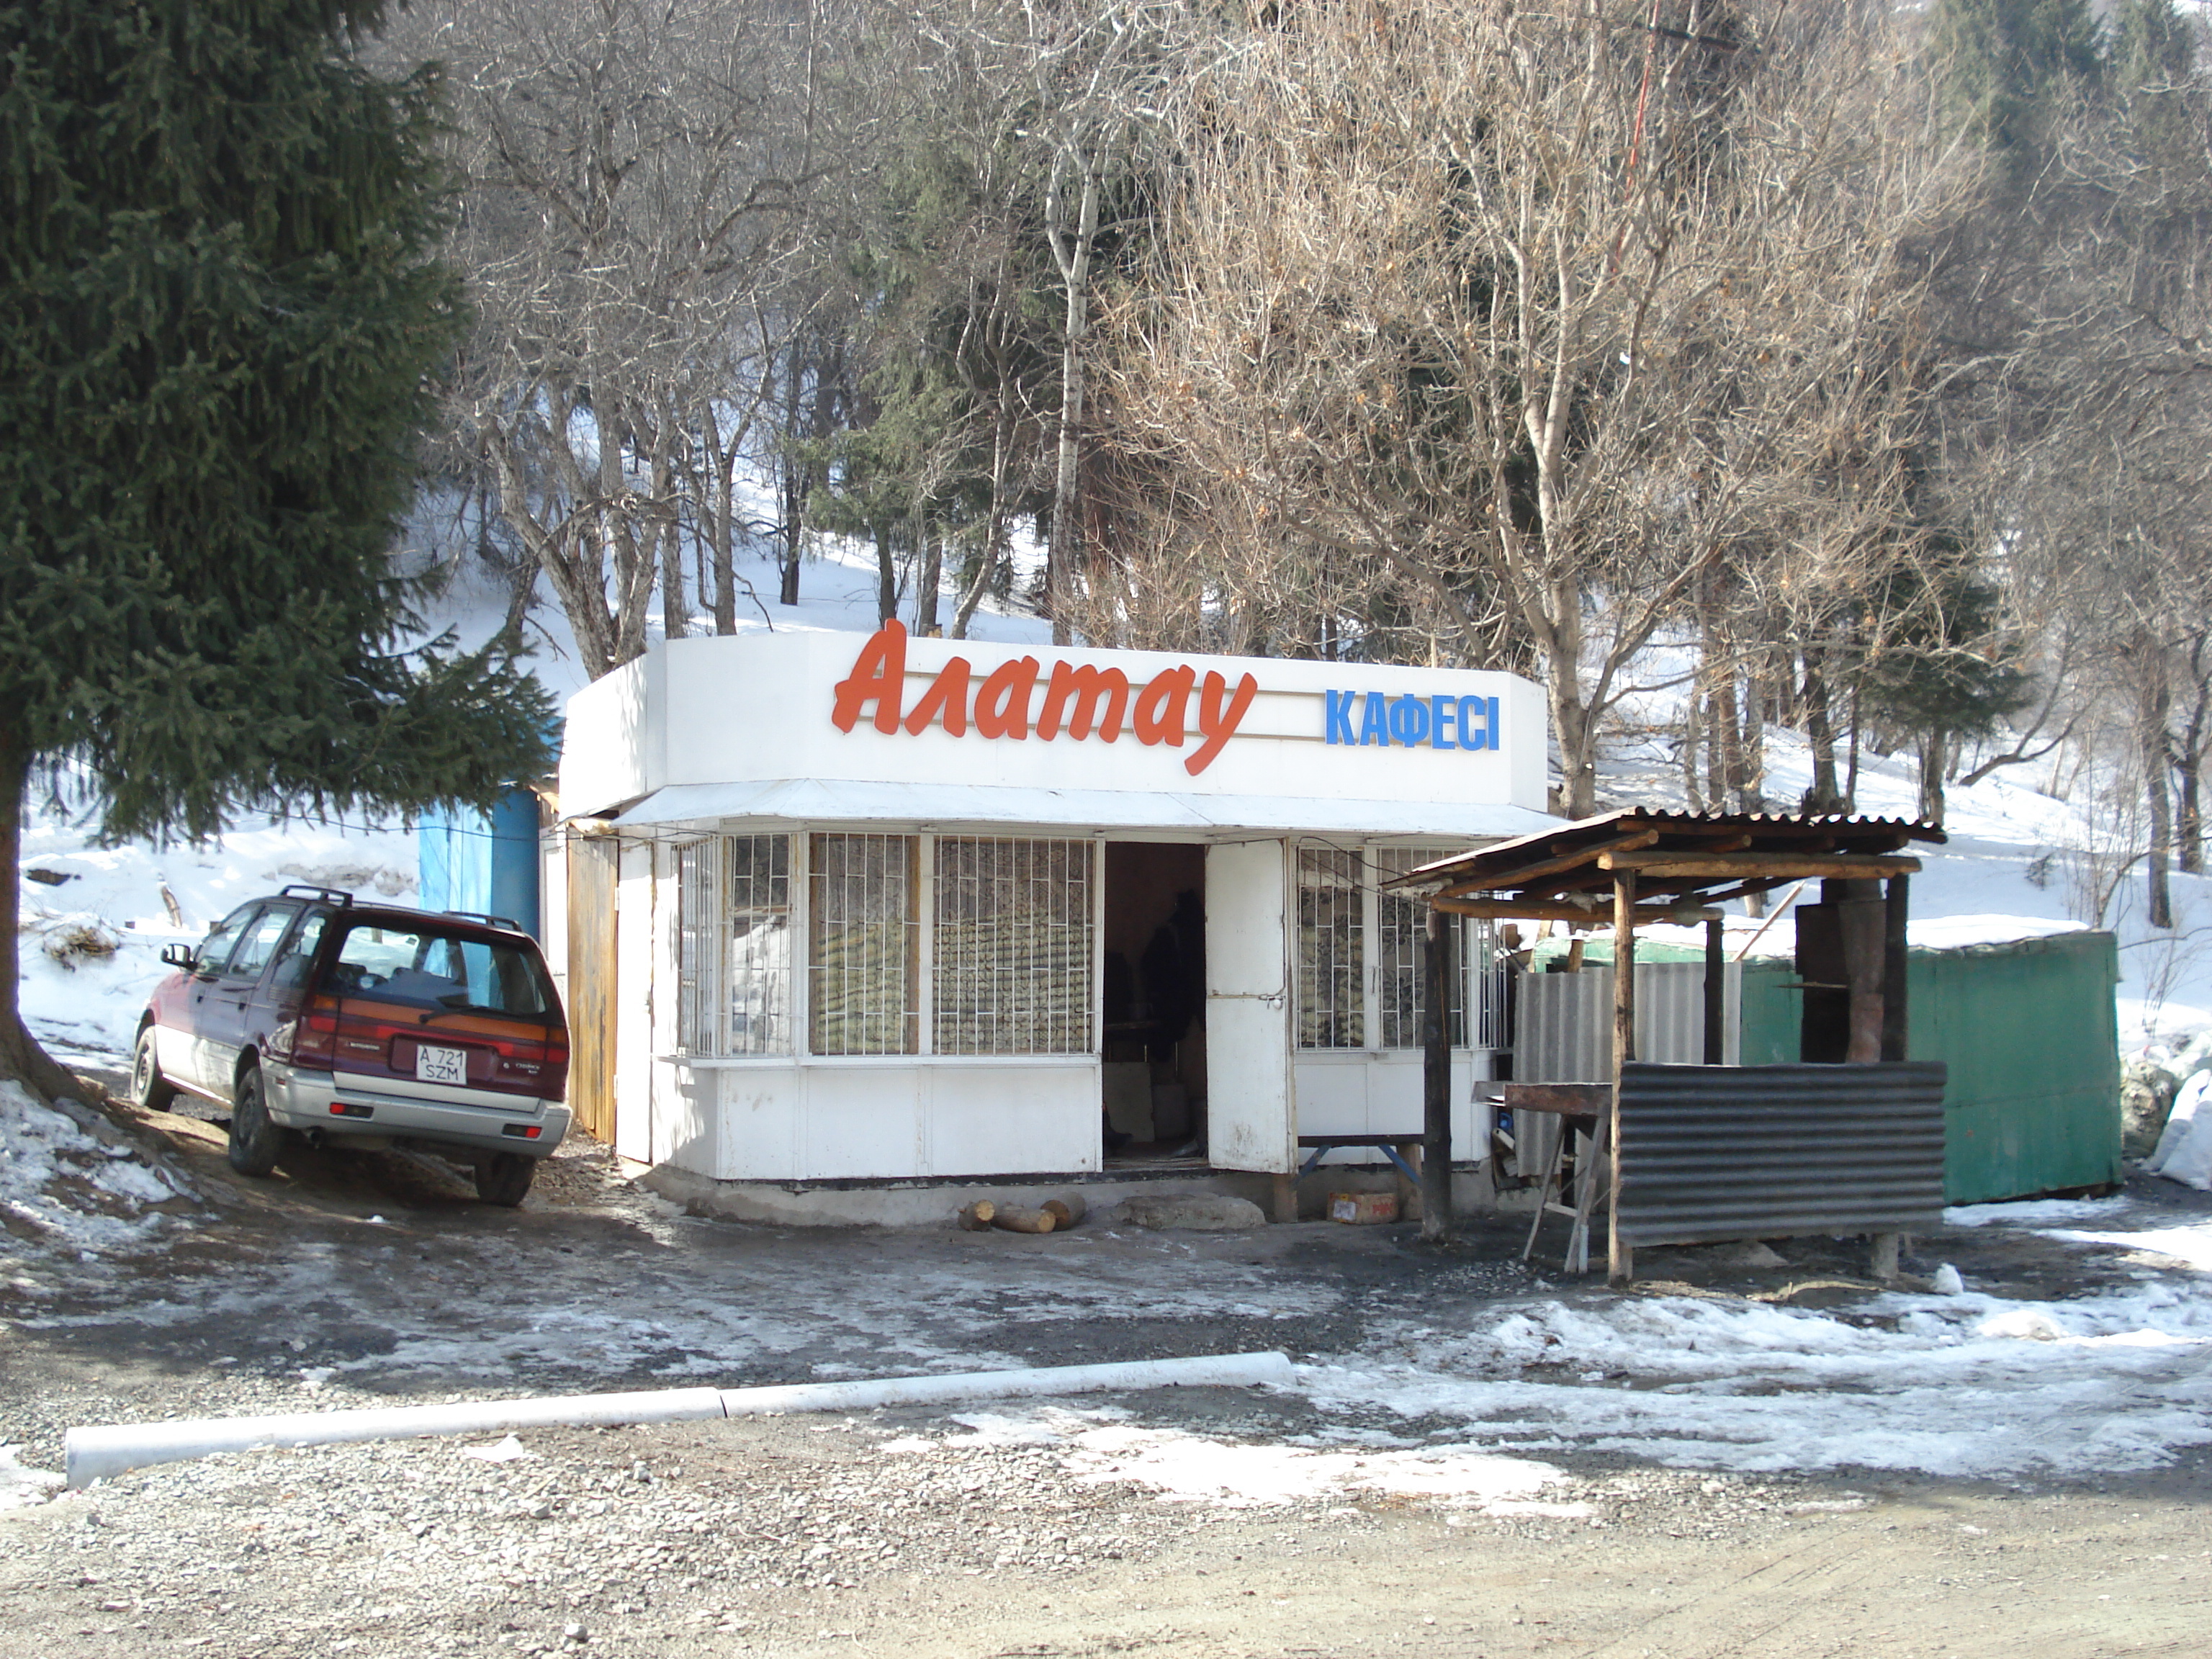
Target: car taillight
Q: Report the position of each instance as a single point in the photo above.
(314, 1039)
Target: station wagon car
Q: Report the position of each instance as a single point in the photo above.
(307, 1013)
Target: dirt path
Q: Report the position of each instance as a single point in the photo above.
(1032, 1532)
(783, 1537)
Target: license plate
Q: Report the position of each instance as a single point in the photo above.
(441, 1065)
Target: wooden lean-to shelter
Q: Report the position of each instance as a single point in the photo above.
(1850, 1140)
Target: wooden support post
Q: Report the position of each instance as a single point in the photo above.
(1715, 999)
(1287, 1197)
(1884, 1257)
(1620, 1263)
(1896, 1026)
(1436, 1079)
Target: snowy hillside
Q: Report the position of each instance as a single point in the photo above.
(2020, 861)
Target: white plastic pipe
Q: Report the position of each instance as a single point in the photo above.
(1228, 1371)
(93, 1453)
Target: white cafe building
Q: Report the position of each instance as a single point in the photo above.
(840, 912)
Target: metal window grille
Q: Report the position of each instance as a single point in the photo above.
(756, 887)
(1488, 969)
(733, 946)
(699, 946)
(863, 964)
(1403, 923)
(1332, 956)
(1009, 957)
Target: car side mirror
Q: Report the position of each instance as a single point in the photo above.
(177, 956)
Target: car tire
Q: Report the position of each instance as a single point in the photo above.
(149, 1090)
(504, 1178)
(254, 1140)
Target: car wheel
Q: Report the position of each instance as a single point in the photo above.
(149, 1090)
(254, 1140)
(504, 1178)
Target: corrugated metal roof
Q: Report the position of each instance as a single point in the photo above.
(1775, 834)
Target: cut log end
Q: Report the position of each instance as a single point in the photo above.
(1066, 1212)
(976, 1217)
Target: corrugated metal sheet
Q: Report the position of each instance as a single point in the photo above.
(1714, 1153)
(1564, 1033)
(2029, 1032)
(1565, 1030)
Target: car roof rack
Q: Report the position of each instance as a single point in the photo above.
(337, 895)
(508, 922)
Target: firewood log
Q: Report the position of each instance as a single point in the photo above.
(1016, 1219)
(1066, 1212)
(976, 1217)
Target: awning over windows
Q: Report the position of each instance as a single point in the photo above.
(946, 805)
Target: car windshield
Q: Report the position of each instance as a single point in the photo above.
(429, 967)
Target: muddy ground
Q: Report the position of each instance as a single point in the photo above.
(374, 1279)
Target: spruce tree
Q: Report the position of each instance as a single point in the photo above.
(221, 314)
(2002, 60)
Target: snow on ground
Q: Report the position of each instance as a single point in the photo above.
(1967, 1385)
(65, 1190)
(1096, 1447)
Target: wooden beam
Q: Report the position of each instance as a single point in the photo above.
(1716, 1009)
(1543, 910)
(1619, 1261)
(1522, 875)
(1436, 1079)
(1896, 1023)
(1789, 866)
(1566, 1099)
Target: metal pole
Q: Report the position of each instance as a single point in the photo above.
(1436, 1081)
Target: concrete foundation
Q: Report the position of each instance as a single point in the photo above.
(935, 1203)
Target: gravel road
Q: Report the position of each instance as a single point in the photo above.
(1042, 1531)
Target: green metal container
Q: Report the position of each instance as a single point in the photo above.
(2032, 1038)
(2029, 1032)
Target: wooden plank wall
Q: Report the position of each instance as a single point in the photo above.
(591, 871)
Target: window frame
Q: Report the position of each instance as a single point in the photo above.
(682, 949)
(1377, 1012)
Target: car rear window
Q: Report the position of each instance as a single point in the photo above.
(433, 967)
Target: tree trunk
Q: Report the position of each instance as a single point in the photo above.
(1820, 732)
(1576, 796)
(1727, 743)
(1693, 790)
(1934, 750)
(794, 485)
(2189, 827)
(931, 578)
(2154, 749)
(1851, 760)
(886, 575)
(21, 1057)
(1074, 258)
(994, 522)
(1750, 745)
(721, 463)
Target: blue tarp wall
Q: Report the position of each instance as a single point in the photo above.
(467, 861)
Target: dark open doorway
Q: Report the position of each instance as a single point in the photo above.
(1153, 1046)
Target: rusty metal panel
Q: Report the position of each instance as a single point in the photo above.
(591, 988)
(1714, 1153)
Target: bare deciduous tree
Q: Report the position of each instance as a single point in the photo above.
(1542, 317)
